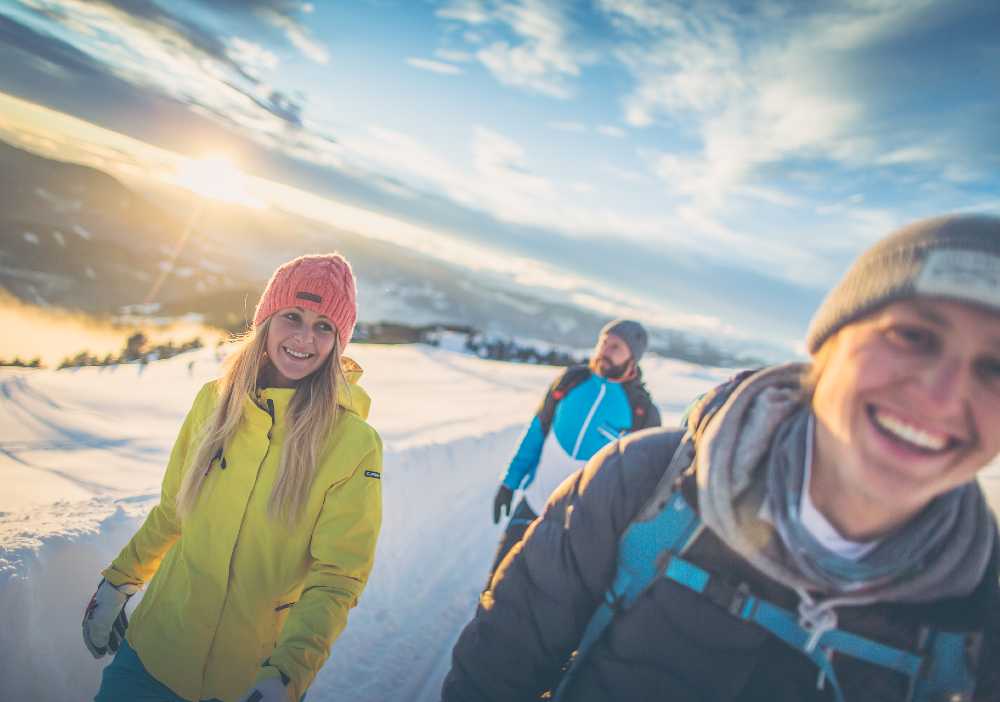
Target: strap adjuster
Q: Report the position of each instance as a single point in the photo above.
(741, 596)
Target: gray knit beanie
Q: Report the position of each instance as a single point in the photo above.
(956, 257)
(632, 333)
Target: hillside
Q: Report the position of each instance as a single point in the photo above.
(73, 236)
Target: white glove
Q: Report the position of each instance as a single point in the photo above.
(104, 620)
(267, 690)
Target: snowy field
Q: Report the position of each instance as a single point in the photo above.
(82, 454)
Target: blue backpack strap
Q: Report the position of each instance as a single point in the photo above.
(943, 670)
(950, 669)
(660, 528)
(784, 624)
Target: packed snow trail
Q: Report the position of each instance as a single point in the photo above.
(82, 455)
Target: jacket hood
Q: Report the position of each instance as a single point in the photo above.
(352, 396)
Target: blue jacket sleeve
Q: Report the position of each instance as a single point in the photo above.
(525, 461)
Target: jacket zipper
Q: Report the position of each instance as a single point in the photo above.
(229, 579)
(590, 417)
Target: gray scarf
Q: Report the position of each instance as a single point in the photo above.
(752, 453)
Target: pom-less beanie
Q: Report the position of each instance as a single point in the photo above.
(323, 283)
(956, 257)
(632, 333)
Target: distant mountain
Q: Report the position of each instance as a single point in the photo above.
(76, 237)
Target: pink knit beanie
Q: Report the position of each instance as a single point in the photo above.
(323, 283)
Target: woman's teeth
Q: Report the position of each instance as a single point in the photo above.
(296, 354)
(909, 433)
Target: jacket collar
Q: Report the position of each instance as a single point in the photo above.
(350, 396)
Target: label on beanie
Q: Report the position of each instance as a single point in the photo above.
(966, 275)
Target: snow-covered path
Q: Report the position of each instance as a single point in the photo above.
(82, 455)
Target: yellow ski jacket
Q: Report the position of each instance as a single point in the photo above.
(231, 588)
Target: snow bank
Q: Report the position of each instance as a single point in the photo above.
(436, 546)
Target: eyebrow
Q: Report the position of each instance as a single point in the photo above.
(928, 313)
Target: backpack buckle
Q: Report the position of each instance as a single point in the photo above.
(739, 600)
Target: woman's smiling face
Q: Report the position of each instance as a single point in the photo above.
(908, 404)
(298, 342)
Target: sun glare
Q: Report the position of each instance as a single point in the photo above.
(216, 177)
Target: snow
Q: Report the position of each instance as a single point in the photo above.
(31, 238)
(82, 454)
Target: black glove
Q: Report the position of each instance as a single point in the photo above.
(502, 501)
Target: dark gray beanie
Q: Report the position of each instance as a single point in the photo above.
(956, 257)
(632, 333)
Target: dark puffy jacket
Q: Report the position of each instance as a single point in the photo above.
(672, 644)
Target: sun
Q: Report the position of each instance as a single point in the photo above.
(216, 177)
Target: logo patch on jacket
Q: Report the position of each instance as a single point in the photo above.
(373, 474)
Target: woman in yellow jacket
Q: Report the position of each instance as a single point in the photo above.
(266, 528)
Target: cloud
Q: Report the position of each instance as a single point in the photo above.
(140, 44)
(284, 107)
(281, 14)
(766, 94)
(472, 12)
(527, 44)
(48, 50)
(503, 163)
(434, 66)
(298, 35)
(611, 131)
(165, 27)
(253, 58)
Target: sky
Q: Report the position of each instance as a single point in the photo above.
(711, 166)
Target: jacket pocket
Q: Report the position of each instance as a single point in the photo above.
(277, 616)
(280, 615)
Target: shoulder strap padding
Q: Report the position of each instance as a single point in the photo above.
(641, 404)
(570, 378)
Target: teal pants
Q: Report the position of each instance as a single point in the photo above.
(125, 679)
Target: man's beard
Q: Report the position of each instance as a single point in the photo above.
(612, 372)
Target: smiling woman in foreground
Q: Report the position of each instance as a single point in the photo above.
(266, 528)
(814, 533)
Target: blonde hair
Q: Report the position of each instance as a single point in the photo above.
(311, 415)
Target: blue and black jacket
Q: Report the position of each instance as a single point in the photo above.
(586, 412)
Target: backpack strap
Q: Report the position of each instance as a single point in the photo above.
(653, 532)
(942, 670)
(644, 412)
(948, 673)
(571, 377)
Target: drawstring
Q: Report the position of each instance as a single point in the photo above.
(816, 618)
